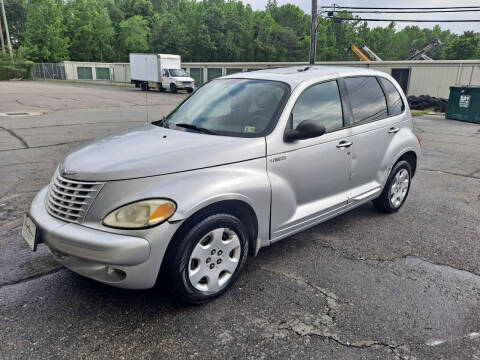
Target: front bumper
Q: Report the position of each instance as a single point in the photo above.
(116, 259)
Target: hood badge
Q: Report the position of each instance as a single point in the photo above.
(66, 172)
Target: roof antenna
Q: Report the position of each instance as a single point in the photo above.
(146, 89)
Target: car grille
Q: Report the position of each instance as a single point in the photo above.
(69, 200)
(188, 83)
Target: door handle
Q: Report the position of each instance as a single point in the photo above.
(344, 144)
(393, 130)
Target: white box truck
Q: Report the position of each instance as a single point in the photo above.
(159, 71)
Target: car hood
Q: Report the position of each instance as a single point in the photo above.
(149, 150)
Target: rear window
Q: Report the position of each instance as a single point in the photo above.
(395, 102)
(367, 99)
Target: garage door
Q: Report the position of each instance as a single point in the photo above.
(102, 73)
(84, 73)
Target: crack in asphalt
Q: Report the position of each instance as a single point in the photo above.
(15, 135)
(46, 146)
(397, 258)
(452, 173)
(85, 123)
(30, 278)
(23, 104)
(331, 298)
(302, 329)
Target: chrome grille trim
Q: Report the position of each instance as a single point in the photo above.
(69, 200)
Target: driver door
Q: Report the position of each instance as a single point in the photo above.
(310, 178)
(165, 78)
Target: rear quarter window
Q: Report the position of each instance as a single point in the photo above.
(395, 102)
(367, 99)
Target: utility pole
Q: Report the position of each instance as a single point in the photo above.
(4, 54)
(6, 31)
(313, 33)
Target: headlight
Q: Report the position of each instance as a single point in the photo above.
(141, 214)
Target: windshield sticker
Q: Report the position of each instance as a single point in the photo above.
(249, 129)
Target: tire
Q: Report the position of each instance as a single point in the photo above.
(144, 86)
(173, 88)
(201, 265)
(189, 90)
(387, 202)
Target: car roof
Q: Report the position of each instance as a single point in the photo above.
(294, 75)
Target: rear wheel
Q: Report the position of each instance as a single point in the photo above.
(396, 189)
(189, 90)
(207, 259)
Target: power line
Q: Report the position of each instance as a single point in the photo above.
(408, 12)
(397, 8)
(401, 20)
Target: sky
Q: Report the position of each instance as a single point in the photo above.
(306, 5)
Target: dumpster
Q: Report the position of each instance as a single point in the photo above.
(464, 103)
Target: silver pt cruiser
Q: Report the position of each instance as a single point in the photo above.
(246, 160)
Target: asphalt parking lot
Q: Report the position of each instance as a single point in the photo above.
(361, 286)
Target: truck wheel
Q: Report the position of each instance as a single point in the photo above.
(144, 86)
(161, 88)
(173, 88)
(189, 90)
(206, 259)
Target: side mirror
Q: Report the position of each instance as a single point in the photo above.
(307, 129)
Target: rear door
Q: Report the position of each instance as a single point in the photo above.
(310, 178)
(375, 123)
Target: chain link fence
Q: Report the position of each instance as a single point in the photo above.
(49, 71)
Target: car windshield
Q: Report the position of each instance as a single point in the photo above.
(177, 72)
(236, 107)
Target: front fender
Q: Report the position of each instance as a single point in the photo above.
(246, 181)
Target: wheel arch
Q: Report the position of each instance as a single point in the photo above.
(410, 157)
(235, 207)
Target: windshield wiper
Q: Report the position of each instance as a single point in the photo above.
(163, 122)
(197, 128)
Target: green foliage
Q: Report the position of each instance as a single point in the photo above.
(90, 30)
(133, 35)
(466, 46)
(208, 30)
(44, 37)
(21, 70)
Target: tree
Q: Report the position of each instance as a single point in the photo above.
(90, 30)
(209, 30)
(44, 37)
(133, 36)
(17, 17)
(466, 46)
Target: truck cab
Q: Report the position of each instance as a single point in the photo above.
(177, 79)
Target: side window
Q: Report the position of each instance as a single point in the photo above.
(367, 99)
(395, 102)
(165, 72)
(320, 103)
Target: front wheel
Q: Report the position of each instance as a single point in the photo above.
(396, 189)
(206, 259)
(173, 88)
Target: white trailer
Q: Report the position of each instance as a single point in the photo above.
(159, 71)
